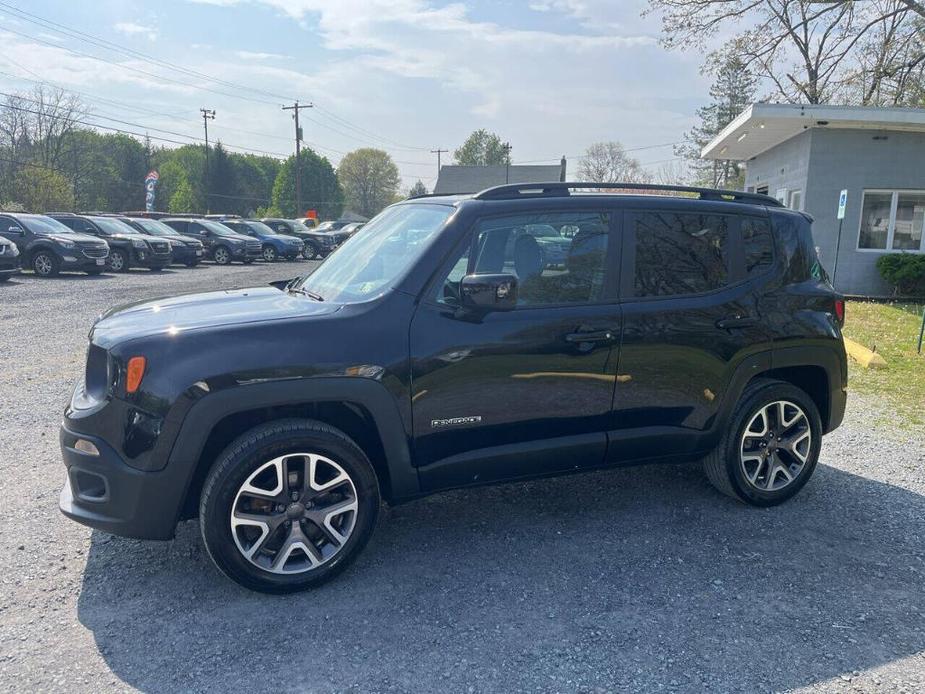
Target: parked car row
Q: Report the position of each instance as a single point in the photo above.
(97, 242)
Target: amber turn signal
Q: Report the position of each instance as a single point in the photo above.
(134, 374)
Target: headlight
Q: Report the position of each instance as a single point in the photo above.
(139, 243)
(176, 244)
(65, 244)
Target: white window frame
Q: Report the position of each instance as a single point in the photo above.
(894, 204)
(799, 194)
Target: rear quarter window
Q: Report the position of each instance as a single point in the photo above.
(757, 245)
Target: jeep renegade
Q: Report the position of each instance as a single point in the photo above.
(446, 346)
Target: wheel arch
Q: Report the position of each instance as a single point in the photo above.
(362, 408)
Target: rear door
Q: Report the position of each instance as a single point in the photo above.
(522, 392)
(690, 316)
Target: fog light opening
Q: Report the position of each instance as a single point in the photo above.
(87, 447)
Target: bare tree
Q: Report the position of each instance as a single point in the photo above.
(672, 173)
(809, 51)
(55, 114)
(608, 162)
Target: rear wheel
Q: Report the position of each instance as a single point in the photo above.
(221, 255)
(45, 264)
(288, 505)
(771, 447)
(270, 254)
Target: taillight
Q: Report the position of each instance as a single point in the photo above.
(840, 311)
(134, 373)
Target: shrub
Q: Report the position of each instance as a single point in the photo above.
(905, 271)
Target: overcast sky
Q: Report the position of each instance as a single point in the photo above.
(550, 76)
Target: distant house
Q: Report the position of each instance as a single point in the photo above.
(455, 179)
(805, 155)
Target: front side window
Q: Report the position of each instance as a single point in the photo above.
(892, 221)
(367, 264)
(558, 258)
(679, 254)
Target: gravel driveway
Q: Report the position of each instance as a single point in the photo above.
(639, 579)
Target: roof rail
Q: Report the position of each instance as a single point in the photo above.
(513, 191)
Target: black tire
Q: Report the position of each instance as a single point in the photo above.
(247, 454)
(44, 263)
(221, 255)
(724, 467)
(270, 254)
(118, 260)
(309, 251)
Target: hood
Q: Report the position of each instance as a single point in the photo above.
(175, 315)
(82, 238)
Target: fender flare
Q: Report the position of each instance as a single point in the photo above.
(371, 395)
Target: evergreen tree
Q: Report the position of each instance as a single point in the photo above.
(417, 190)
(732, 91)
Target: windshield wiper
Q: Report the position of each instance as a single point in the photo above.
(305, 292)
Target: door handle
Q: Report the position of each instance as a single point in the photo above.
(590, 336)
(737, 321)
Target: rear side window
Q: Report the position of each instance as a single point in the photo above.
(757, 245)
(679, 253)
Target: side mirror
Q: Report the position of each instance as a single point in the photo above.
(16, 230)
(489, 292)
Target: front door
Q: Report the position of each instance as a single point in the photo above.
(690, 316)
(527, 391)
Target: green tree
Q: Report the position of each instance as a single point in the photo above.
(222, 185)
(39, 189)
(183, 198)
(417, 190)
(732, 91)
(370, 180)
(321, 190)
(483, 148)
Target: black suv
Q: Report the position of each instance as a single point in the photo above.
(437, 349)
(316, 244)
(48, 247)
(186, 251)
(127, 246)
(221, 243)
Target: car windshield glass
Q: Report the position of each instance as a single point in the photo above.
(261, 228)
(40, 224)
(113, 226)
(369, 263)
(155, 228)
(216, 228)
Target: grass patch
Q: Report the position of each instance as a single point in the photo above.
(892, 329)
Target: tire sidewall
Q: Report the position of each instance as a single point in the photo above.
(771, 393)
(227, 255)
(239, 461)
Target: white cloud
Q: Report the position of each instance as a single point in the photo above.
(133, 29)
(251, 55)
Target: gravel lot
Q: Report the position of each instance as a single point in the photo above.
(633, 579)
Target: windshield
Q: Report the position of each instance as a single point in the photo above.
(369, 263)
(154, 227)
(113, 226)
(217, 229)
(261, 228)
(42, 225)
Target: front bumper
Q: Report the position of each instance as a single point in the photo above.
(151, 260)
(9, 266)
(187, 254)
(105, 493)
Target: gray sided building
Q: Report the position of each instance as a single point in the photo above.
(456, 179)
(805, 155)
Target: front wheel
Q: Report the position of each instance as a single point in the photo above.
(45, 264)
(270, 254)
(771, 447)
(221, 255)
(309, 251)
(117, 260)
(288, 505)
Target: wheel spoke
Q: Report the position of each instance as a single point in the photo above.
(325, 516)
(295, 540)
(765, 425)
(792, 445)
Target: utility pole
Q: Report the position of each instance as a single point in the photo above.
(295, 108)
(438, 152)
(506, 148)
(207, 115)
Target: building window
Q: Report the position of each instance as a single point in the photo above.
(762, 190)
(892, 220)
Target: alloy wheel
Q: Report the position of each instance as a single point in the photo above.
(775, 446)
(43, 265)
(221, 256)
(294, 513)
(309, 251)
(269, 254)
(116, 261)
